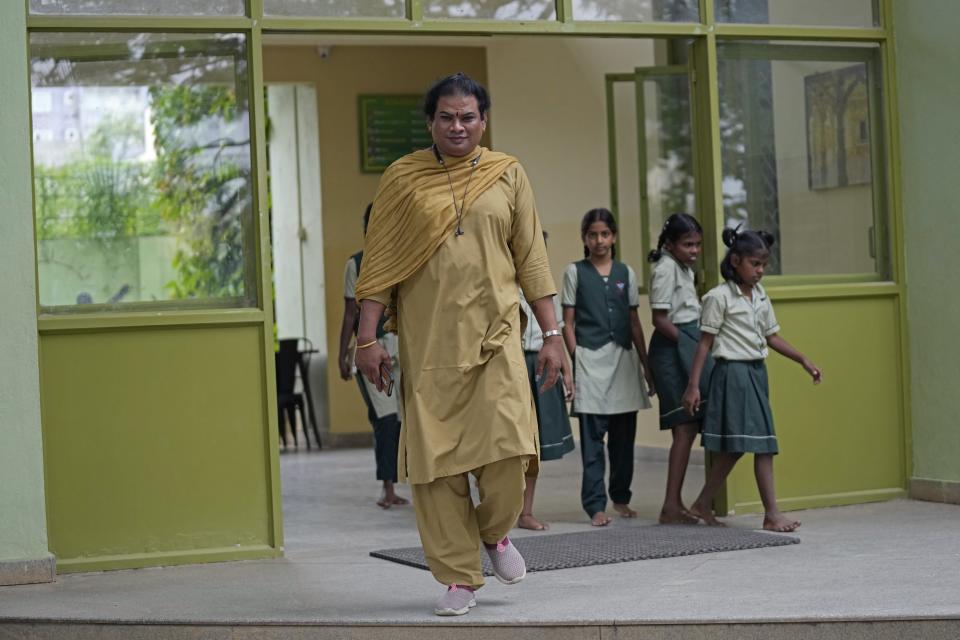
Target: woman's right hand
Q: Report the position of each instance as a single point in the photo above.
(691, 400)
(370, 360)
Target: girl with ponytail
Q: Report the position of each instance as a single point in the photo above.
(675, 306)
(737, 325)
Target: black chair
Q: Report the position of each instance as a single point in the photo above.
(289, 401)
(291, 358)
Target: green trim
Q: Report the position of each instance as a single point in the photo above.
(265, 267)
(414, 10)
(825, 500)
(112, 320)
(564, 11)
(640, 116)
(840, 290)
(896, 216)
(255, 10)
(613, 168)
(170, 558)
(784, 32)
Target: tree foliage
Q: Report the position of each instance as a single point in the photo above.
(202, 180)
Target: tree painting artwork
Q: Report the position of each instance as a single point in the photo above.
(838, 129)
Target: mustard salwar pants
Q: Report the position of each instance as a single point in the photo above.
(452, 529)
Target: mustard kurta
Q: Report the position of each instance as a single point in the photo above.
(466, 399)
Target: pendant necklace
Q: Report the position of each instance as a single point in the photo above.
(466, 188)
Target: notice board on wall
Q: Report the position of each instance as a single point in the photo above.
(390, 126)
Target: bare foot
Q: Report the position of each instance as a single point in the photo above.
(397, 500)
(674, 515)
(706, 515)
(384, 502)
(527, 521)
(779, 523)
(624, 510)
(600, 519)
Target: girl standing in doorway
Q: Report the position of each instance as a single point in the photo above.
(738, 324)
(675, 307)
(603, 334)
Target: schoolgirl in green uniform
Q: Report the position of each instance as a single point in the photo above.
(603, 334)
(675, 307)
(737, 325)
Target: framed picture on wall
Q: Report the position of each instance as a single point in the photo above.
(391, 126)
(838, 128)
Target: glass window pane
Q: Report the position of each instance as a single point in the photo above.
(491, 9)
(669, 161)
(828, 13)
(142, 168)
(637, 10)
(335, 8)
(802, 154)
(138, 7)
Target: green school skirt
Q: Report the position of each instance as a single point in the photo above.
(670, 363)
(556, 438)
(738, 418)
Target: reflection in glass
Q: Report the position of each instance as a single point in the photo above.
(669, 162)
(138, 7)
(832, 13)
(637, 10)
(141, 167)
(797, 128)
(335, 8)
(491, 9)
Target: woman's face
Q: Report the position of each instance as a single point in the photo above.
(457, 125)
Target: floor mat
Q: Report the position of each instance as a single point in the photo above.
(614, 544)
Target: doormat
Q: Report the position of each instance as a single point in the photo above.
(614, 544)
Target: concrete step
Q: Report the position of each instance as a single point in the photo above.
(461, 629)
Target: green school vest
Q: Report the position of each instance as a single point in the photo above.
(603, 308)
(357, 259)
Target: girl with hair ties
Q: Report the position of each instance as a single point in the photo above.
(737, 325)
(675, 307)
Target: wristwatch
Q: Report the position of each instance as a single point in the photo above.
(551, 333)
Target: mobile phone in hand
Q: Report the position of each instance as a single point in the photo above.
(386, 376)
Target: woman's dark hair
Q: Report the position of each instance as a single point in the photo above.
(676, 226)
(366, 217)
(743, 243)
(598, 215)
(459, 84)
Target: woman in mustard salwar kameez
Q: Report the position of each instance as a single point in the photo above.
(454, 230)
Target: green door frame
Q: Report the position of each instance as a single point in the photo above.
(705, 35)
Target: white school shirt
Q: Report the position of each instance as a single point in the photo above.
(741, 325)
(608, 380)
(674, 290)
(383, 405)
(532, 337)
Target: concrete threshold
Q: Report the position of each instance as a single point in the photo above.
(894, 629)
(880, 570)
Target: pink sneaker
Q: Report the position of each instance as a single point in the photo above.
(508, 564)
(455, 602)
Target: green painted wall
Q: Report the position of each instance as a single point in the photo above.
(155, 447)
(840, 442)
(929, 92)
(23, 534)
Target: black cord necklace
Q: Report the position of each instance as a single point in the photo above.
(466, 188)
